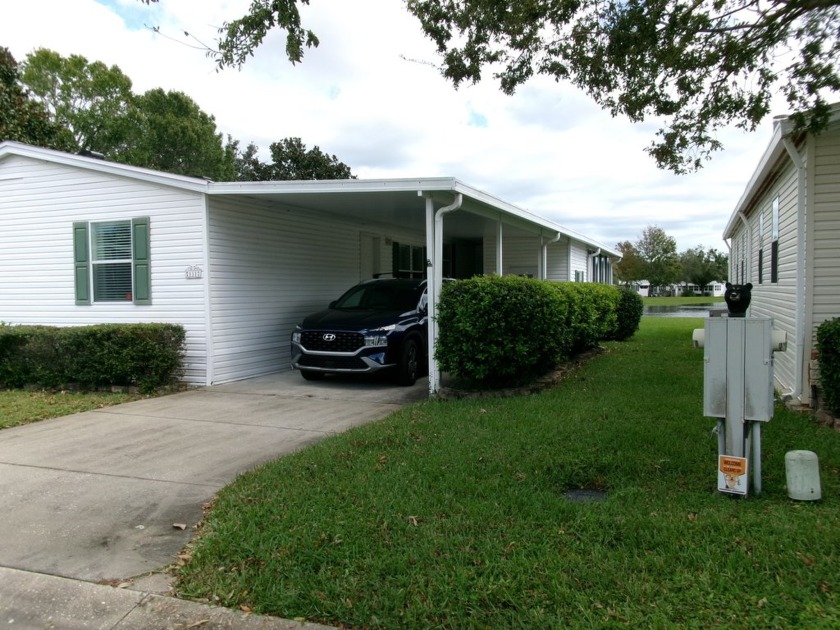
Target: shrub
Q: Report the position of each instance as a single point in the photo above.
(144, 355)
(499, 331)
(828, 346)
(593, 309)
(629, 314)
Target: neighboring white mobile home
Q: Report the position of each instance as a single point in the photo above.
(85, 241)
(784, 236)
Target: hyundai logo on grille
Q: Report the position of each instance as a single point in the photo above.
(329, 337)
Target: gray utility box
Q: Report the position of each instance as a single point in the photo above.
(738, 368)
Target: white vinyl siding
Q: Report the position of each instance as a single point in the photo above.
(558, 261)
(825, 257)
(40, 201)
(521, 256)
(776, 300)
(579, 260)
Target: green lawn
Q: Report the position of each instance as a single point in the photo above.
(21, 407)
(679, 301)
(453, 514)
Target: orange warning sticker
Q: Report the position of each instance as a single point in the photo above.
(732, 474)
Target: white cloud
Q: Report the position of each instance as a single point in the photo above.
(370, 95)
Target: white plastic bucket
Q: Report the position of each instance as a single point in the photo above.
(802, 471)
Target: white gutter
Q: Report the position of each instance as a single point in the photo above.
(796, 392)
(435, 281)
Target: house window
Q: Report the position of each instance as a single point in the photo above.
(110, 246)
(774, 245)
(409, 261)
(112, 261)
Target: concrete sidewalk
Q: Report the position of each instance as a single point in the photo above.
(101, 496)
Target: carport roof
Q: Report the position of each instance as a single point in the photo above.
(374, 201)
(401, 201)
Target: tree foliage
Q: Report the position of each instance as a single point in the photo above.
(23, 118)
(701, 266)
(171, 133)
(89, 99)
(693, 66)
(631, 267)
(659, 253)
(81, 105)
(290, 160)
(697, 65)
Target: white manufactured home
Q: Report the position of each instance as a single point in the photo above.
(86, 241)
(784, 237)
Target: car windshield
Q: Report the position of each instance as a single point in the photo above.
(382, 296)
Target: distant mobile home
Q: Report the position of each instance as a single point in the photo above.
(86, 241)
(785, 239)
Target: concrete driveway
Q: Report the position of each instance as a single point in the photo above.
(96, 496)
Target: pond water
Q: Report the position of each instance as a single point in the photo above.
(686, 310)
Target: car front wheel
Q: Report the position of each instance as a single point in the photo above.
(409, 364)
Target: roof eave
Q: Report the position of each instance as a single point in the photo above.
(10, 147)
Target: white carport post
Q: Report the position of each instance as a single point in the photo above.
(434, 280)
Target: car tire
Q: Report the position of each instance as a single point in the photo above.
(409, 364)
(310, 375)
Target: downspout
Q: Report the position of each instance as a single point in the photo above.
(729, 255)
(434, 287)
(796, 392)
(748, 271)
(545, 255)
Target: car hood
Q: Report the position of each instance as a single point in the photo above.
(352, 319)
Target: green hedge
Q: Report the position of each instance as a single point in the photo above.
(828, 346)
(498, 331)
(147, 356)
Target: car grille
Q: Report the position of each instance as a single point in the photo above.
(314, 341)
(331, 363)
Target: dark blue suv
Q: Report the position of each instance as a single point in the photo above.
(379, 324)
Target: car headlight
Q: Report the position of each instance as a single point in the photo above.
(376, 340)
(377, 337)
(296, 334)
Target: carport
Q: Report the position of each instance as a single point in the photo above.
(239, 264)
(440, 211)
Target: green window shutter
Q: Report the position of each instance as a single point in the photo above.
(142, 262)
(81, 262)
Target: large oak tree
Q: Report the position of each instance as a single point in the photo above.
(91, 100)
(22, 117)
(693, 66)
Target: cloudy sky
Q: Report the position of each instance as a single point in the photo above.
(370, 95)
